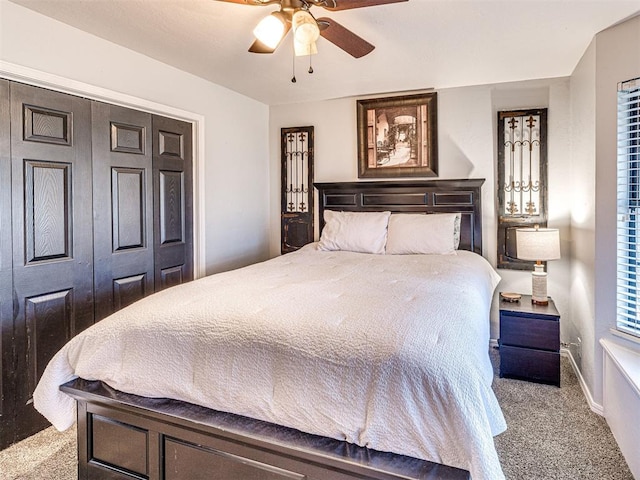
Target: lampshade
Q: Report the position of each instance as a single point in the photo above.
(302, 49)
(305, 28)
(538, 244)
(271, 29)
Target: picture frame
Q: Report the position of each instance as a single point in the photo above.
(398, 136)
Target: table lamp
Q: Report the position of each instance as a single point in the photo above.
(538, 244)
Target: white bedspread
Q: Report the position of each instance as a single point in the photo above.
(385, 351)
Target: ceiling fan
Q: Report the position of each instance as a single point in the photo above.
(306, 28)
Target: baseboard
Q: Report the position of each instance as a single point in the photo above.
(595, 407)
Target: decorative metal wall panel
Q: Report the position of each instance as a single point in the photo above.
(522, 165)
(297, 187)
(297, 184)
(522, 179)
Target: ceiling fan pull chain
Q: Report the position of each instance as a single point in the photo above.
(310, 67)
(293, 66)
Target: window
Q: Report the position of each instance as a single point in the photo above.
(628, 315)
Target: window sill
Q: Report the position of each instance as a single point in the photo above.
(625, 335)
(627, 361)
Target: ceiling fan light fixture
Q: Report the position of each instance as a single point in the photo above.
(271, 29)
(302, 49)
(305, 27)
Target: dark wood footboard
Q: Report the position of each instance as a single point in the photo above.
(122, 436)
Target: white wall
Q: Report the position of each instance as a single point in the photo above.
(236, 184)
(583, 211)
(617, 59)
(467, 133)
(612, 57)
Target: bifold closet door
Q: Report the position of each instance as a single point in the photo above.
(7, 376)
(123, 207)
(52, 234)
(172, 199)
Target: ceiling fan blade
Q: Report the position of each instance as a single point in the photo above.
(343, 38)
(259, 47)
(348, 4)
(251, 2)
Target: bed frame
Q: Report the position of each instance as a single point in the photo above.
(428, 196)
(123, 436)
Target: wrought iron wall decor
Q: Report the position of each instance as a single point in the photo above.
(522, 179)
(297, 187)
(398, 136)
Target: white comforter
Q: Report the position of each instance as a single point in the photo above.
(385, 351)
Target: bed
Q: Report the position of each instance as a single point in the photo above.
(320, 364)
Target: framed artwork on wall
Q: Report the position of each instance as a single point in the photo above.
(522, 182)
(398, 136)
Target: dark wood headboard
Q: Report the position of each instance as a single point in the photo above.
(424, 196)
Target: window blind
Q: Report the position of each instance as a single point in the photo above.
(628, 230)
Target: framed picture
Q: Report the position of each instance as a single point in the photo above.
(398, 136)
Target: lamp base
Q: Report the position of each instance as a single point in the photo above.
(539, 286)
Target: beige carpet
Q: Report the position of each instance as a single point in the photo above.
(49, 455)
(552, 434)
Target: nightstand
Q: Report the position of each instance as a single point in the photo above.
(530, 341)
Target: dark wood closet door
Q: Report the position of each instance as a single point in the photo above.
(123, 207)
(52, 234)
(7, 377)
(172, 201)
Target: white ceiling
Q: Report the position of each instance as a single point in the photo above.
(420, 44)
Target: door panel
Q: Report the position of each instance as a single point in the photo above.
(7, 377)
(171, 207)
(46, 125)
(49, 322)
(128, 290)
(173, 204)
(128, 208)
(90, 221)
(123, 205)
(47, 211)
(52, 234)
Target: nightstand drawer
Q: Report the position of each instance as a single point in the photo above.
(529, 364)
(543, 334)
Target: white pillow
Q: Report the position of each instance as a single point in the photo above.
(364, 232)
(422, 234)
